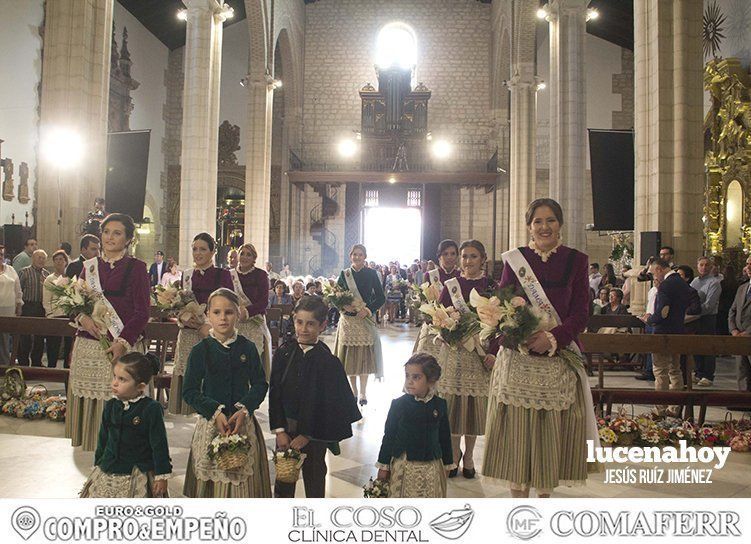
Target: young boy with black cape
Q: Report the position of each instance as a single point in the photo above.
(311, 405)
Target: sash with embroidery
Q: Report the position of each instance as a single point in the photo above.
(351, 284)
(434, 277)
(457, 299)
(539, 299)
(114, 325)
(238, 288)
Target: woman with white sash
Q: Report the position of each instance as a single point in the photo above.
(357, 343)
(124, 282)
(464, 372)
(203, 279)
(251, 285)
(448, 254)
(541, 414)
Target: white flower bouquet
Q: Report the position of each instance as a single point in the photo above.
(229, 451)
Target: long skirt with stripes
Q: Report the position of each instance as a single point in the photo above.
(527, 447)
(186, 339)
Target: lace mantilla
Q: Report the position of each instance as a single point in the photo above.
(462, 373)
(186, 339)
(355, 331)
(539, 383)
(545, 255)
(91, 370)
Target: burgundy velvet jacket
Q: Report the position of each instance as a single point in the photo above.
(205, 282)
(565, 281)
(255, 285)
(127, 288)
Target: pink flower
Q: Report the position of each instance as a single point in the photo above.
(518, 302)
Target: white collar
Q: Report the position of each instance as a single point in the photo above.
(670, 273)
(244, 273)
(545, 255)
(446, 271)
(114, 260)
(227, 343)
(306, 347)
(128, 403)
(204, 269)
(427, 398)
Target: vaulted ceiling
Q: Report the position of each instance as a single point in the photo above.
(615, 24)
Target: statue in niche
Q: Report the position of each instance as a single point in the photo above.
(23, 186)
(7, 179)
(229, 142)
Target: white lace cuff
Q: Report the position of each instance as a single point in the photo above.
(216, 413)
(382, 466)
(242, 407)
(553, 343)
(279, 430)
(163, 476)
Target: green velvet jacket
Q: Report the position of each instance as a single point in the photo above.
(369, 286)
(217, 375)
(419, 428)
(132, 438)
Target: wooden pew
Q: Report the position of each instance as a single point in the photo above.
(668, 344)
(631, 322)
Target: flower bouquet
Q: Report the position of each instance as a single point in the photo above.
(452, 326)
(508, 316)
(288, 463)
(343, 300)
(229, 451)
(709, 436)
(179, 303)
(55, 408)
(607, 436)
(685, 431)
(626, 429)
(741, 442)
(376, 489)
(74, 297)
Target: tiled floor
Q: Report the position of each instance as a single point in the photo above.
(39, 462)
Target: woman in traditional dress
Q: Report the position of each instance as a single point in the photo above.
(124, 282)
(465, 373)
(203, 279)
(448, 253)
(251, 287)
(541, 414)
(357, 343)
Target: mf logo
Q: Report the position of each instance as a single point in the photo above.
(524, 522)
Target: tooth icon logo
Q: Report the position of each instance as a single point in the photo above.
(25, 521)
(452, 525)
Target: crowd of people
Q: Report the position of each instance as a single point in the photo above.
(536, 419)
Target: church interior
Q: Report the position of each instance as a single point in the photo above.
(305, 127)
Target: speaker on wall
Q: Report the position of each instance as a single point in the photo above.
(649, 245)
(611, 157)
(13, 239)
(127, 167)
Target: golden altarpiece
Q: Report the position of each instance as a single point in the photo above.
(727, 157)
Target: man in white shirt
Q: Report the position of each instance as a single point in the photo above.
(594, 277)
(708, 286)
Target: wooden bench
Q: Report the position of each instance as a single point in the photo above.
(668, 344)
(627, 359)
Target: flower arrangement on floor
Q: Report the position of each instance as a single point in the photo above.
(229, 451)
(288, 463)
(75, 298)
(35, 403)
(376, 489)
(508, 316)
(344, 300)
(452, 326)
(644, 431)
(179, 303)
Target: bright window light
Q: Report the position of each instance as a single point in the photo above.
(396, 45)
(441, 149)
(393, 234)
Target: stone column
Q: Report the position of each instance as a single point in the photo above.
(668, 68)
(203, 60)
(523, 87)
(75, 97)
(258, 165)
(568, 115)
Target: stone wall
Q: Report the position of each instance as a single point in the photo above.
(453, 41)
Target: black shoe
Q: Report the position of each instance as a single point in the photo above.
(363, 402)
(453, 472)
(468, 473)
(645, 377)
